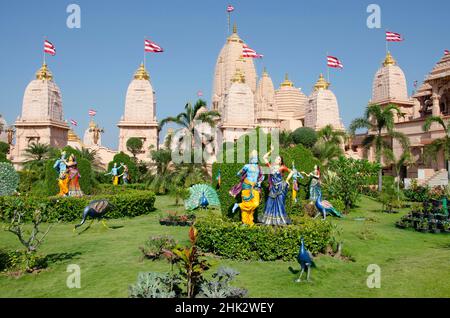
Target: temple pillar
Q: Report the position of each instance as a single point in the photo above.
(436, 109)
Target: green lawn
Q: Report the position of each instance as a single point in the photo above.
(412, 264)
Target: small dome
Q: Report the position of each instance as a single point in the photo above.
(141, 73)
(44, 73)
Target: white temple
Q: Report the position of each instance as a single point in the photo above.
(42, 116)
(139, 119)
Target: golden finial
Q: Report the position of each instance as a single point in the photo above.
(287, 82)
(141, 73)
(44, 73)
(92, 124)
(265, 72)
(238, 77)
(234, 28)
(72, 136)
(389, 60)
(321, 83)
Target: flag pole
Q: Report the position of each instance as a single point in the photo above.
(43, 51)
(229, 22)
(387, 43)
(144, 53)
(328, 71)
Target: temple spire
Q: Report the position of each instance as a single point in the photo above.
(321, 83)
(389, 60)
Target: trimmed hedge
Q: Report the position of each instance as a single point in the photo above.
(67, 209)
(266, 243)
(304, 161)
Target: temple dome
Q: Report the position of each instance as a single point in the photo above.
(3, 127)
(290, 101)
(229, 59)
(323, 108)
(140, 100)
(42, 99)
(265, 97)
(389, 84)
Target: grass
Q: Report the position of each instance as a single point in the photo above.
(412, 264)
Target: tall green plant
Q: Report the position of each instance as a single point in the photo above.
(379, 121)
(439, 145)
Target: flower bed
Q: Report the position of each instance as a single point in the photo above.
(173, 219)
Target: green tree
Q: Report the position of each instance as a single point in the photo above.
(346, 178)
(405, 159)
(37, 151)
(91, 156)
(305, 136)
(329, 144)
(189, 120)
(379, 122)
(161, 179)
(134, 145)
(4, 148)
(286, 139)
(439, 145)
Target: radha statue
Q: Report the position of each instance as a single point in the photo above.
(314, 186)
(275, 210)
(115, 173)
(125, 174)
(73, 176)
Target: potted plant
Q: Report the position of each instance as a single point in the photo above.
(423, 226)
(446, 227)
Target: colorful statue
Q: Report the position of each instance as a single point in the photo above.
(325, 208)
(61, 168)
(314, 186)
(115, 173)
(304, 258)
(125, 174)
(275, 210)
(95, 210)
(201, 196)
(73, 176)
(295, 185)
(249, 187)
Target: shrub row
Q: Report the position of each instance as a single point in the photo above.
(266, 243)
(66, 209)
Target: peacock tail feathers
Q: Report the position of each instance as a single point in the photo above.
(195, 194)
(99, 206)
(335, 212)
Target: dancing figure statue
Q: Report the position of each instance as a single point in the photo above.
(125, 174)
(61, 168)
(249, 187)
(275, 210)
(73, 176)
(295, 185)
(115, 173)
(314, 186)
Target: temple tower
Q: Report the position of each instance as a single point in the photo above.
(291, 104)
(323, 108)
(42, 116)
(266, 110)
(389, 87)
(139, 119)
(227, 62)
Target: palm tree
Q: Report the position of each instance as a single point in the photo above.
(190, 118)
(37, 151)
(379, 122)
(328, 145)
(328, 134)
(438, 145)
(92, 156)
(286, 139)
(406, 159)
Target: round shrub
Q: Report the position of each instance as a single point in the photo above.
(305, 136)
(4, 148)
(9, 179)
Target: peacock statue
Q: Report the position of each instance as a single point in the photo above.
(95, 210)
(325, 208)
(201, 196)
(304, 258)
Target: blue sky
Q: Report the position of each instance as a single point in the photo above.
(95, 64)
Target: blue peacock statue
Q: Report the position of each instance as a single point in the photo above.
(95, 210)
(325, 208)
(304, 258)
(201, 196)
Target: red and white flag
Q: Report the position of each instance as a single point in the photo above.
(92, 112)
(49, 48)
(248, 52)
(73, 122)
(334, 62)
(230, 8)
(393, 37)
(150, 46)
(447, 52)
